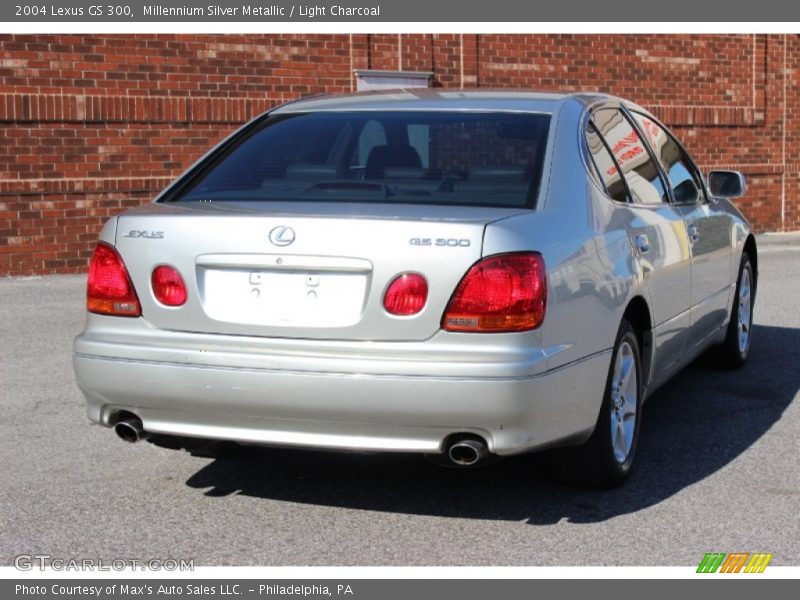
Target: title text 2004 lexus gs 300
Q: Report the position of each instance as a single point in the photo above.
(460, 274)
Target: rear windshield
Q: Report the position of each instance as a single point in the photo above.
(479, 159)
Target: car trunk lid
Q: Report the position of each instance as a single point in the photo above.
(310, 270)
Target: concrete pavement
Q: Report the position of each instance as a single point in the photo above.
(717, 471)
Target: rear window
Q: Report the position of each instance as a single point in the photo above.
(480, 159)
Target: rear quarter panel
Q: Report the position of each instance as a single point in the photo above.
(592, 271)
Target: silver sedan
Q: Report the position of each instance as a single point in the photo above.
(465, 275)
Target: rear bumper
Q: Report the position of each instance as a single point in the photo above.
(216, 397)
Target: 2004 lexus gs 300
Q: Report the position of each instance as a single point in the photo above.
(459, 274)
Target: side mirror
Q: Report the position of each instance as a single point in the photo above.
(726, 184)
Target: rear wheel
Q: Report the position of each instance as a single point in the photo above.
(607, 457)
(736, 347)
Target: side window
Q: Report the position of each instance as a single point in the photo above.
(605, 165)
(630, 153)
(682, 174)
(372, 134)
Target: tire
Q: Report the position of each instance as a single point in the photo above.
(606, 458)
(733, 352)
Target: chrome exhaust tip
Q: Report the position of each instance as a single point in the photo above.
(130, 430)
(467, 452)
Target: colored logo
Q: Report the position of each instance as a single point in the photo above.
(736, 562)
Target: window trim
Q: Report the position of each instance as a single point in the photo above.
(659, 170)
(664, 179)
(698, 174)
(628, 194)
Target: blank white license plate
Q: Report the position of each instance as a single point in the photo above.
(284, 298)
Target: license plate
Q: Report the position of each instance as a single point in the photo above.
(287, 298)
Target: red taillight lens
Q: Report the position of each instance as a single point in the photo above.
(406, 295)
(507, 292)
(168, 286)
(109, 290)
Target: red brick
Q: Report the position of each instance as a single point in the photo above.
(92, 125)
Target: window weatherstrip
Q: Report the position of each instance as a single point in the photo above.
(628, 192)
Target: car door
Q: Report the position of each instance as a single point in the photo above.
(709, 231)
(656, 229)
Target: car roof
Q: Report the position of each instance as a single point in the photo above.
(440, 99)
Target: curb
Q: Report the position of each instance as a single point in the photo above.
(788, 239)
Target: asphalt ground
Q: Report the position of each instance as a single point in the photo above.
(717, 471)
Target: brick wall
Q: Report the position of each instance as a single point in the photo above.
(91, 125)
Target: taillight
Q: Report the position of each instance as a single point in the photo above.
(168, 286)
(506, 292)
(406, 295)
(109, 290)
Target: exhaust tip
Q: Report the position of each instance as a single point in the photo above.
(468, 452)
(130, 430)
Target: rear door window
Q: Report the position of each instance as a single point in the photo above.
(684, 178)
(631, 155)
(606, 168)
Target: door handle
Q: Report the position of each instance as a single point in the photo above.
(642, 243)
(694, 235)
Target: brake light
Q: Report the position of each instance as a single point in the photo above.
(109, 290)
(505, 292)
(406, 295)
(168, 286)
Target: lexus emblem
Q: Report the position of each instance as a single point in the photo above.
(281, 235)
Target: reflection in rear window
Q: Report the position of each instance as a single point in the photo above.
(480, 159)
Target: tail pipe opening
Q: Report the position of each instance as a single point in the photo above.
(467, 452)
(130, 430)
